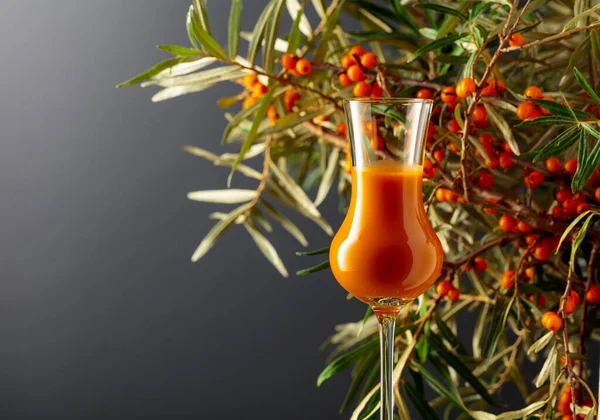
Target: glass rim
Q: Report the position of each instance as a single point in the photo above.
(388, 100)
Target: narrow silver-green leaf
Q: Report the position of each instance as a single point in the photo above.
(200, 7)
(178, 50)
(269, 52)
(579, 238)
(295, 190)
(440, 43)
(148, 74)
(328, 176)
(541, 343)
(294, 36)
(295, 10)
(332, 21)
(228, 196)
(217, 230)
(259, 32)
(234, 28)
(286, 223)
(266, 248)
(499, 121)
(548, 365)
(570, 228)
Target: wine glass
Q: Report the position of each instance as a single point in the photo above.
(386, 253)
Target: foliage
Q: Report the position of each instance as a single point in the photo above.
(493, 192)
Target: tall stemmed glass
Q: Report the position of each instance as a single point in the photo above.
(386, 253)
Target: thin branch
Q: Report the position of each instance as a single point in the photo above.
(552, 38)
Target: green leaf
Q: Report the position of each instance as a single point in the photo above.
(440, 43)
(556, 108)
(544, 373)
(347, 360)
(259, 32)
(578, 17)
(495, 329)
(449, 336)
(584, 84)
(588, 162)
(580, 179)
(295, 191)
(540, 344)
(319, 267)
(363, 368)
(403, 16)
(286, 223)
(228, 196)
(260, 115)
(559, 144)
(217, 230)
(296, 12)
(294, 37)
(269, 52)
(579, 238)
(210, 45)
(388, 111)
(200, 7)
(148, 74)
(266, 248)
(438, 387)
(330, 25)
(419, 403)
(547, 121)
(443, 10)
(498, 120)
(461, 369)
(313, 252)
(570, 228)
(234, 28)
(238, 119)
(381, 36)
(179, 51)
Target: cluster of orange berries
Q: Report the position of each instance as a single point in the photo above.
(296, 66)
(528, 110)
(255, 89)
(497, 154)
(356, 63)
(446, 289)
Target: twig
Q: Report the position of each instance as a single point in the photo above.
(510, 364)
(552, 38)
(565, 335)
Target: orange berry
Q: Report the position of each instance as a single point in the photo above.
(249, 80)
(563, 194)
(291, 94)
(448, 95)
(466, 267)
(523, 227)
(542, 250)
(439, 156)
(453, 294)
(533, 92)
(288, 61)
(341, 129)
(525, 110)
(356, 73)
(505, 160)
(467, 86)
(480, 264)
(357, 50)
(508, 279)
(455, 149)
(553, 164)
(570, 206)
(440, 194)
(450, 196)
(259, 90)
(530, 273)
(541, 300)
(423, 94)
(593, 294)
(443, 287)
(500, 86)
(572, 302)
(303, 66)
(557, 212)
(485, 180)
(361, 89)
(368, 60)
(453, 126)
(571, 166)
(376, 90)
(348, 61)
(582, 208)
(531, 238)
(597, 194)
(490, 211)
(535, 179)
(490, 88)
(492, 163)
(344, 80)
(579, 196)
(272, 112)
(249, 101)
(516, 40)
(575, 296)
(552, 321)
(507, 223)
(479, 113)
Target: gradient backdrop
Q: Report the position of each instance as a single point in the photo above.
(102, 314)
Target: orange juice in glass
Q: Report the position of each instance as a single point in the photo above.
(386, 253)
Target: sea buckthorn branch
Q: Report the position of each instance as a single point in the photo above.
(552, 38)
(509, 364)
(264, 177)
(572, 376)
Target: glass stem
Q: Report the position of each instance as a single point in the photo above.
(387, 323)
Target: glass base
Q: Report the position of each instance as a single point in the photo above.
(386, 305)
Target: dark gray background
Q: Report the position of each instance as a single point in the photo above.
(101, 311)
